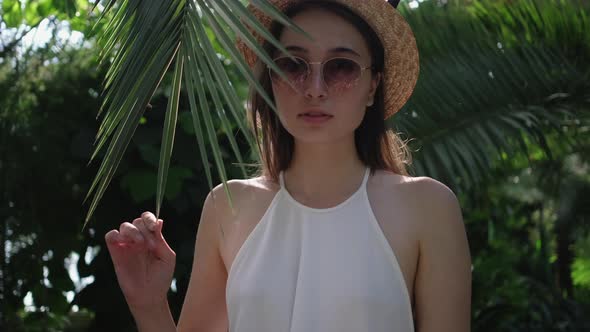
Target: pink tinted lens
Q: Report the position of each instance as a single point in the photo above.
(294, 69)
(341, 72)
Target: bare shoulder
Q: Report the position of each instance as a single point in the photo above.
(440, 204)
(235, 192)
(427, 202)
(238, 202)
(418, 185)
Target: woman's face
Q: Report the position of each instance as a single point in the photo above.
(332, 37)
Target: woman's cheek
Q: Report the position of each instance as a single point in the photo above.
(353, 112)
(283, 103)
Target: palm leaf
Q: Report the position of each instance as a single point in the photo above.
(168, 134)
(140, 41)
(482, 97)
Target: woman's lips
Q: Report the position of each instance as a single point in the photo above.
(315, 118)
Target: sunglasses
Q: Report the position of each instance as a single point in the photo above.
(339, 74)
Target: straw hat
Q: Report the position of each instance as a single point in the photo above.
(401, 65)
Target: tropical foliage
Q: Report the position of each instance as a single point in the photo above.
(500, 114)
(146, 38)
(495, 80)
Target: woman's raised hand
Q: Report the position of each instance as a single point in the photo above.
(144, 263)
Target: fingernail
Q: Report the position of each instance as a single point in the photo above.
(151, 225)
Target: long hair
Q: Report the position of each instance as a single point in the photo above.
(377, 146)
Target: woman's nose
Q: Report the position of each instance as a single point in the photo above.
(315, 87)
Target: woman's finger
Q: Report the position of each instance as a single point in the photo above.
(130, 231)
(147, 234)
(149, 220)
(161, 247)
(164, 249)
(154, 225)
(112, 237)
(115, 241)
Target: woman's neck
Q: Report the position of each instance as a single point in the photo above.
(324, 170)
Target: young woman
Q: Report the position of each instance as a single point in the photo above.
(333, 235)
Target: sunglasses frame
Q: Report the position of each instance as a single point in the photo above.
(308, 65)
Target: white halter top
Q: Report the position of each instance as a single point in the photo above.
(304, 269)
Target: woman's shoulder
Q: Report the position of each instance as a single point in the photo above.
(418, 186)
(242, 192)
(248, 185)
(423, 197)
(429, 206)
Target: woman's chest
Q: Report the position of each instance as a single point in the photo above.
(396, 225)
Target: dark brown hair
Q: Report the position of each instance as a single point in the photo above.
(377, 146)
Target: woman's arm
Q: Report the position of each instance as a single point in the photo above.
(159, 319)
(443, 280)
(204, 307)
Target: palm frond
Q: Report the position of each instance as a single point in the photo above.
(168, 134)
(141, 40)
(481, 99)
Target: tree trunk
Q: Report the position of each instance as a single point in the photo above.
(564, 259)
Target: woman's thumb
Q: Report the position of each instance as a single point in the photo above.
(162, 248)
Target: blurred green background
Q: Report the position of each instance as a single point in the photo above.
(501, 114)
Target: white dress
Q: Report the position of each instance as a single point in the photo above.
(303, 269)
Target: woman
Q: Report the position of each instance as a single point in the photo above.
(333, 235)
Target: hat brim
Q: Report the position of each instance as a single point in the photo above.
(401, 59)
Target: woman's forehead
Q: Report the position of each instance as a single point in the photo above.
(331, 34)
(340, 50)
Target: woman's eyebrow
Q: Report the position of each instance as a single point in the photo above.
(294, 48)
